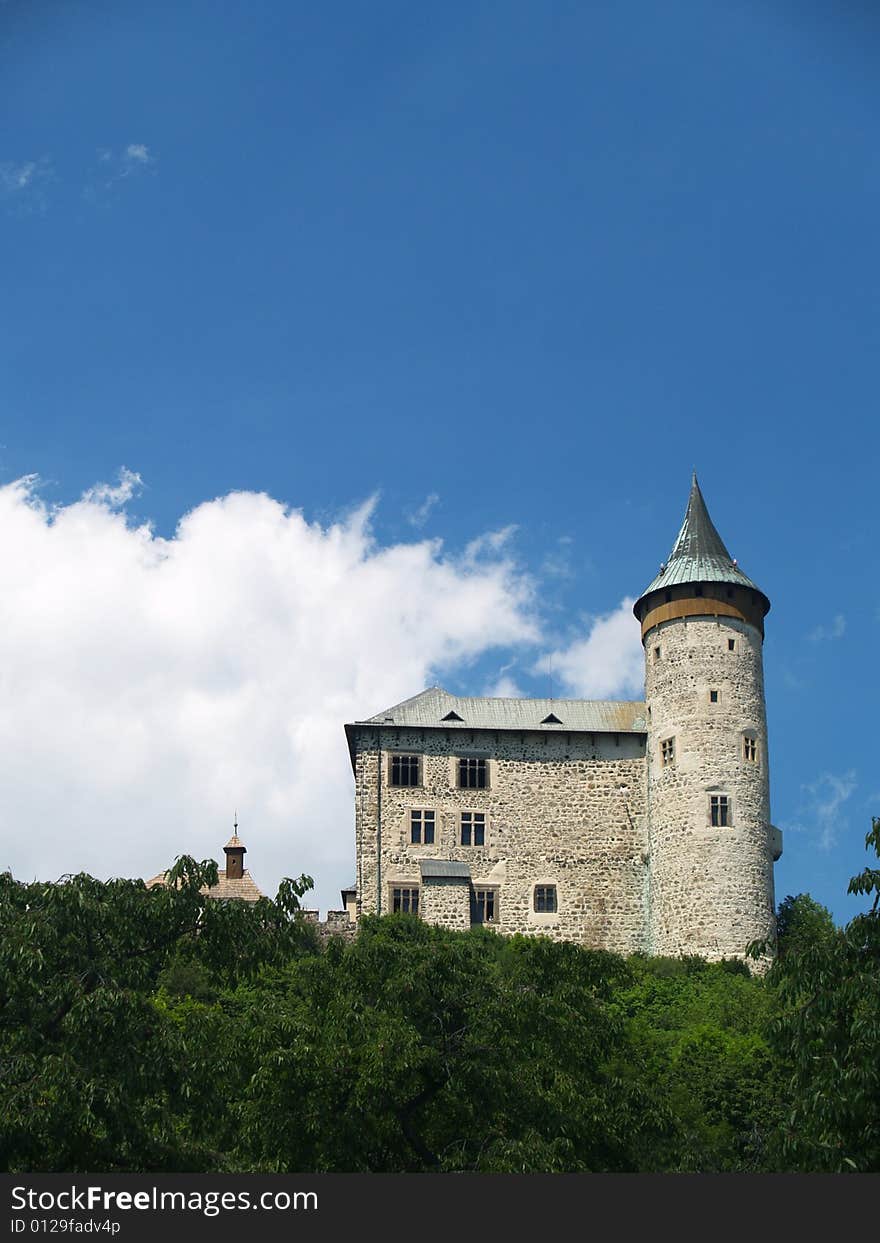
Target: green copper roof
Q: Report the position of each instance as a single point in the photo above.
(699, 554)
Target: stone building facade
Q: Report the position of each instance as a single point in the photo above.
(633, 826)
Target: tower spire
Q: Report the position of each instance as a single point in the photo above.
(699, 555)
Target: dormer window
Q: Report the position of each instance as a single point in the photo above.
(452, 716)
(552, 719)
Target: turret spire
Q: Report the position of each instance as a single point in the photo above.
(699, 554)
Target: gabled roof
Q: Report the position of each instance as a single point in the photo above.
(698, 554)
(433, 707)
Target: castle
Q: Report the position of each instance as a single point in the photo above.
(632, 826)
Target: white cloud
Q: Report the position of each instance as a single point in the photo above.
(557, 563)
(608, 663)
(420, 516)
(503, 686)
(823, 813)
(132, 160)
(835, 630)
(115, 496)
(151, 686)
(22, 186)
(492, 542)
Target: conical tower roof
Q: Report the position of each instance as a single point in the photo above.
(699, 554)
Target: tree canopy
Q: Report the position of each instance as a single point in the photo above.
(159, 1030)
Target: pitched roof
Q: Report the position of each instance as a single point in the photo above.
(434, 707)
(244, 889)
(698, 554)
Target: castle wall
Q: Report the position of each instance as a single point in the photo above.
(710, 887)
(563, 809)
(446, 901)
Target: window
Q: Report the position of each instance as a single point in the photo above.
(545, 898)
(714, 697)
(667, 752)
(656, 653)
(473, 774)
(421, 828)
(719, 811)
(405, 901)
(484, 907)
(731, 645)
(750, 750)
(406, 770)
(473, 828)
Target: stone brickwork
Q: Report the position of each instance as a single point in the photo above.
(711, 886)
(563, 810)
(446, 900)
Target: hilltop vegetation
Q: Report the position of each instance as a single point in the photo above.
(154, 1030)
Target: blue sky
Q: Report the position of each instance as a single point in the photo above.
(506, 273)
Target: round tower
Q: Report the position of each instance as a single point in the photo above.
(711, 844)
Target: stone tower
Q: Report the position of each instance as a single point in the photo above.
(711, 844)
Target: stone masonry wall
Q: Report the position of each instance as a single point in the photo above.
(563, 809)
(711, 888)
(446, 901)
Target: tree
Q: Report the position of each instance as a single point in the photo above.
(802, 922)
(91, 1064)
(419, 1049)
(829, 1037)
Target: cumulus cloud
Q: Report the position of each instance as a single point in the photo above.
(836, 630)
(608, 663)
(150, 686)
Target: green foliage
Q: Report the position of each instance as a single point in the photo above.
(828, 1039)
(701, 1029)
(160, 1030)
(91, 1065)
(800, 923)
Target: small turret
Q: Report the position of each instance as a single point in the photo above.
(235, 851)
